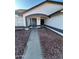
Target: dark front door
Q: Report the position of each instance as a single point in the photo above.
(42, 21)
(34, 23)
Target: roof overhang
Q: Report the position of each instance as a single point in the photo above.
(60, 3)
(20, 12)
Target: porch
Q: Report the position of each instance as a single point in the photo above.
(35, 20)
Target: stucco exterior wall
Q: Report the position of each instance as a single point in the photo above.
(55, 21)
(19, 21)
(28, 21)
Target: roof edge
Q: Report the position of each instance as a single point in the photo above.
(61, 3)
(57, 12)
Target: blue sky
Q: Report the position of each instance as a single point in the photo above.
(26, 4)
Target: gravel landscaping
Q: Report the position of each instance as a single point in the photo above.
(21, 38)
(51, 43)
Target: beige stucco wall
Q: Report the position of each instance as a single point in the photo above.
(19, 21)
(55, 21)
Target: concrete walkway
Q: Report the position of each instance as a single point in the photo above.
(33, 50)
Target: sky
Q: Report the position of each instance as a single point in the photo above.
(26, 4)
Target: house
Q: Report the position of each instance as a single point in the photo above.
(47, 13)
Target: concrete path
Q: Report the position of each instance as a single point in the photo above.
(33, 50)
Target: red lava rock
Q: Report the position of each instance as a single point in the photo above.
(21, 38)
(52, 44)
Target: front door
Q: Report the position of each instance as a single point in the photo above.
(42, 21)
(34, 22)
